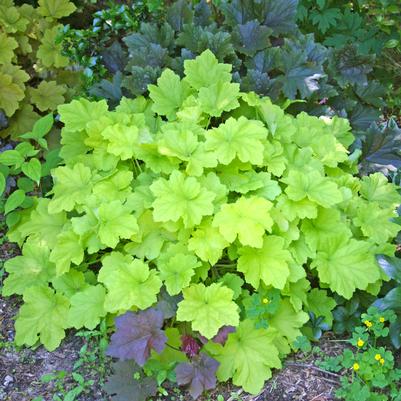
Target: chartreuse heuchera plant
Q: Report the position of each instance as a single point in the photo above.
(200, 218)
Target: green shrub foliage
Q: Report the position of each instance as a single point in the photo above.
(269, 55)
(33, 78)
(268, 52)
(204, 211)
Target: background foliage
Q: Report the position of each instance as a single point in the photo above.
(33, 74)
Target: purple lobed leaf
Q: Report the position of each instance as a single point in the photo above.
(137, 334)
(221, 336)
(199, 374)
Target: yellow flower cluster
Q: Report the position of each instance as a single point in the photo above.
(360, 343)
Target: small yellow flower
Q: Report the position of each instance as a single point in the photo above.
(378, 357)
(360, 343)
(355, 366)
(382, 319)
(265, 301)
(381, 361)
(368, 324)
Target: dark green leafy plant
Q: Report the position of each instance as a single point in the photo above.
(370, 27)
(392, 300)
(25, 170)
(88, 47)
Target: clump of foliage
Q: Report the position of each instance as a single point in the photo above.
(33, 78)
(208, 221)
(392, 298)
(88, 47)
(268, 52)
(370, 27)
(25, 170)
(369, 368)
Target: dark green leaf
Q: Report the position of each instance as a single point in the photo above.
(121, 385)
(392, 300)
(114, 58)
(391, 266)
(178, 14)
(382, 144)
(2, 183)
(251, 37)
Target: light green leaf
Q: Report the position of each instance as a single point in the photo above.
(67, 250)
(42, 317)
(169, 94)
(320, 304)
(346, 265)
(313, 186)
(130, 282)
(219, 97)
(247, 357)
(207, 242)
(208, 308)
(240, 138)
(32, 169)
(268, 264)
(116, 222)
(205, 71)
(78, 113)
(56, 8)
(177, 272)
(181, 197)
(42, 225)
(14, 200)
(30, 269)
(247, 218)
(376, 188)
(87, 307)
(71, 186)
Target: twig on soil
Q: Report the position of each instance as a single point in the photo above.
(237, 394)
(308, 366)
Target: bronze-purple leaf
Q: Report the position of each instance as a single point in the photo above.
(137, 334)
(199, 374)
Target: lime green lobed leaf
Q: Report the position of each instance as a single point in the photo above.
(205, 71)
(247, 218)
(208, 308)
(169, 94)
(177, 272)
(56, 8)
(129, 282)
(181, 198)
(346, 265)
(247, 357)
(32, 268)
(240, 138)
(87, 307)
(42, 317)
(268, 264)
